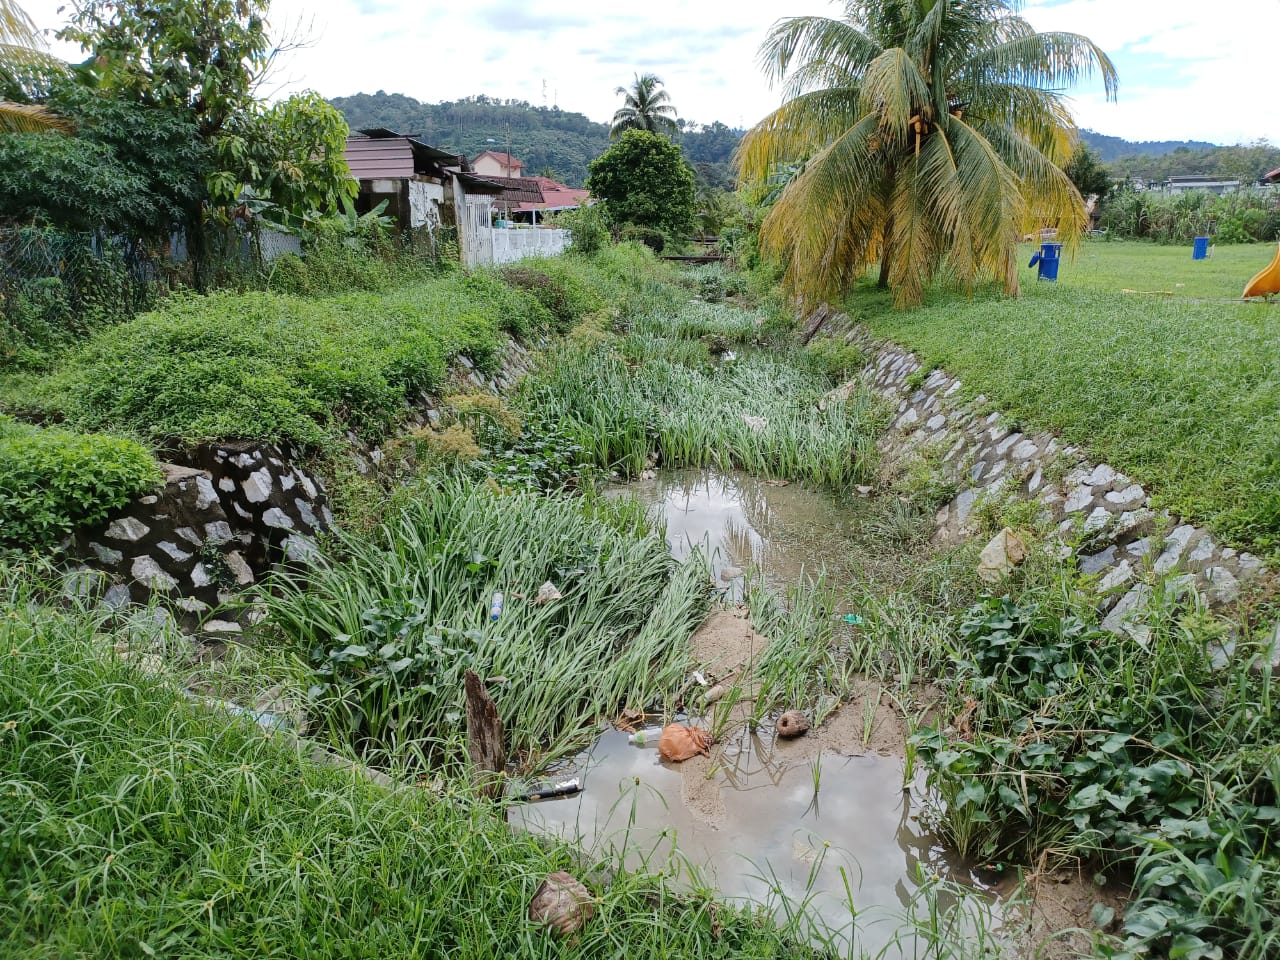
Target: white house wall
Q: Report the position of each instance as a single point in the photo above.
(510, 244)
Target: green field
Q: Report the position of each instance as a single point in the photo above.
(1180, 392)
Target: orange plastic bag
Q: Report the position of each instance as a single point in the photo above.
(678, 742)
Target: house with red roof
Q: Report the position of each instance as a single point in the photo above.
(523, 198)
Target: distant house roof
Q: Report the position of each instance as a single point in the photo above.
(1273, 176)
(377, 153)
(555, 196)
(506, 159)
(517, 190)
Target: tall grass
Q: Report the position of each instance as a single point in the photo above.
(134, 823)
(390, 623)
(658, 392)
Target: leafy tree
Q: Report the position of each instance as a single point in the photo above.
(933, 132)
(204, 56)
(291, 154)
(1089, 176)
(21, 54)
(644, 107)
(644, 180)
(203, 60)
(131, 169)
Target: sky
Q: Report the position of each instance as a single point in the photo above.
(1189, 69)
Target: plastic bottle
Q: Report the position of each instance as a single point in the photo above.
(495, 609)
(648, 737)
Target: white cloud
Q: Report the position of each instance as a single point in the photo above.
(1189, 69)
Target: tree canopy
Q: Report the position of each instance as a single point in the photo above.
(645, 106)
(22, 54)
(931, 134)
(643, 179)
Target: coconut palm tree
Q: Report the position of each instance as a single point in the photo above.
(931, 134)
(645, 107)
(21, 51)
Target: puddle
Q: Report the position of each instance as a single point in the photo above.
(785, 531)
(747, 823)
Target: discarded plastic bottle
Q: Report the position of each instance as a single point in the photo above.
(495, 609)
(648, 737)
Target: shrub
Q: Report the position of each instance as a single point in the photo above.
(283, 368)
(652, 238)
(834, 359)
(555, 285)
(590, 235)
(53, 480)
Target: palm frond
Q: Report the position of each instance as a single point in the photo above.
(800, 127)
(1053, 60)
(30, 118)
(837, 43)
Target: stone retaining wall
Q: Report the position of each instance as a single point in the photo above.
(224, 518)
(1121, 540)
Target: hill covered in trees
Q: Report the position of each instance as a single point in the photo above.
(560, 143)
(549, 140)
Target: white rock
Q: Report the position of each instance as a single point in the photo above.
(1119, 574)
(189, 535)
(1130, 606)
(1130, 496)
(1097, 562)
(116, 598)
(907, 419)
(241, 569)
(218, 530)
(1222, 585)
(300, 549)
(1097, 520)
(257, 488)
(220, 626)
(127, 528)
(106, 554)
(226, 484)
(206, 496)
(200, 576)
(278, 519)
(1025, 450)
(149, 573)
(173, 551)
(1101, 475)
(306, 514)
(547, 593)
(1175, 545)
(964, 504)
(936, 421)
(1079, 498)
(1203, 551)
(1036, 479)
(1008, 442)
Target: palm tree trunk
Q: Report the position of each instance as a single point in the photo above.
(883, 282)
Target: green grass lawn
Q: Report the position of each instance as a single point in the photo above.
(1160, 271)
(1180, 393)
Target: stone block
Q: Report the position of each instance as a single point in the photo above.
(129, 529)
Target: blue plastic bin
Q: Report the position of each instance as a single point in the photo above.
(1200, 248)
(1047, 260)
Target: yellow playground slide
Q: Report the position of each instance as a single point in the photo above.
(1267, 281)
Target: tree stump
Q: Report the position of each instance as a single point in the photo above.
(484, 738)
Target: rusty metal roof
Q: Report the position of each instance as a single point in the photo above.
(382, 154)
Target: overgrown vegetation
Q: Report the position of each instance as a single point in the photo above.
(673, 391)
(53, 480)
(135, 823)
(391, 622)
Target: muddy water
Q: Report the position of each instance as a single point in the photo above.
(783, 530)
(767, 834)
(748, 822)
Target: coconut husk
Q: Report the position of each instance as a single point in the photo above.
(791, 724)
(562, 903)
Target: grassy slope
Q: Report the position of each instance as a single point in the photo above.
(133, 823)
(1181, 394)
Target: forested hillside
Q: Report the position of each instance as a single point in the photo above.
(549, 140)
(1113, 148)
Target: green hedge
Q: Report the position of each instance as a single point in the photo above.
(53, 480)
